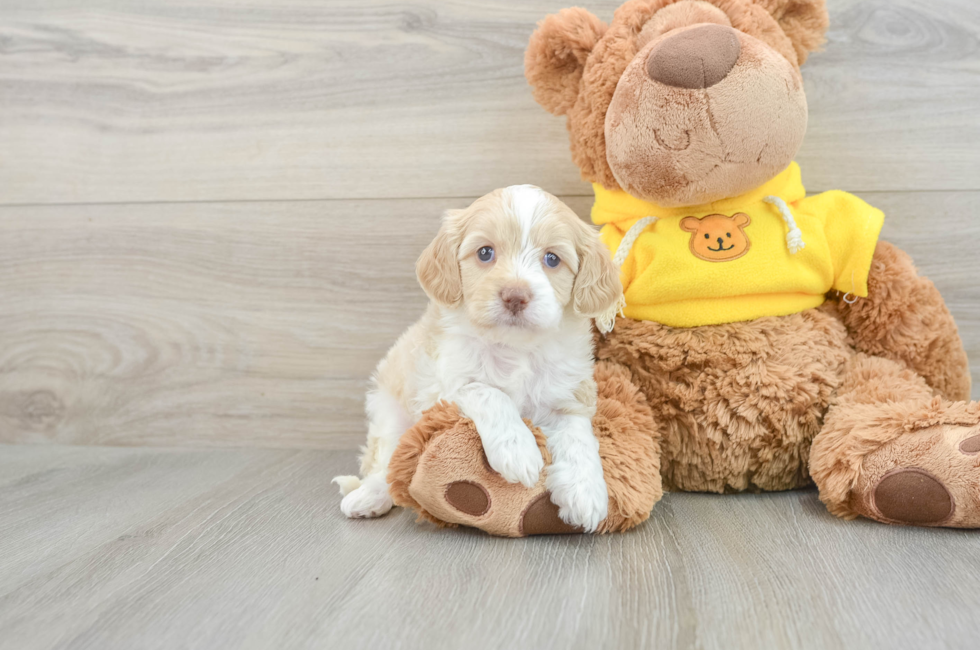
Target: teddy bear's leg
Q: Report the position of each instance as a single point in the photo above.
(904, 318)
(629, 447)
(439, 468)
(892, 451)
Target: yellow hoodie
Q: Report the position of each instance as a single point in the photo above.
(734, 260)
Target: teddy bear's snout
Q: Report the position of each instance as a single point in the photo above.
(698, 57)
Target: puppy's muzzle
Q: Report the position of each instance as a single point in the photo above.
(515, 299)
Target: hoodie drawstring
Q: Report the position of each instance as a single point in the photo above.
(605, 322)
(794, 238)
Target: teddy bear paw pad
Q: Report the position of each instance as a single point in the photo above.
(468, 497)
(929, 477)
(913, 496)
(971, 446)
(541, 518)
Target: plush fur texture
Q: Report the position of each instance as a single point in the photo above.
(707, 143)
(790, 28)
(737, 405)
(861, 396)
(443, 448)
(803, 21)
(556, 57)
(905, 319)
(885, 419)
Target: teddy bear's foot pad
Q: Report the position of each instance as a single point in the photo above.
(971, 446)
(913, 496)
(452, 483)
(469, 498)
(925, 478)
(541, 518)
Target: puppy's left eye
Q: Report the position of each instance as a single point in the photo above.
(551, 260)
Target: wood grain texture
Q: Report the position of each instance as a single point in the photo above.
(113, 101)
(258, 324)
(113, 548)
(204, 323)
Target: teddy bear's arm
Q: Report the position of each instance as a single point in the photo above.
(904, 318)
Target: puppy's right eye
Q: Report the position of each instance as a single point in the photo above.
(485, 254)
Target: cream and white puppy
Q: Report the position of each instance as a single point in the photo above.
(514, 280)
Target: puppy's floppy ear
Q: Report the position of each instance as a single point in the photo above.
(803, 21)
(556, 56)
(597, 290)
(438, 267)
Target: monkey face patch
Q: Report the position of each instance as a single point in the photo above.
(717, 237)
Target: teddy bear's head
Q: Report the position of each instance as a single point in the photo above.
(679, 102)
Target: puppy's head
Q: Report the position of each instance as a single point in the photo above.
(519, 258)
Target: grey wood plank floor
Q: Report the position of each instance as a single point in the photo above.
(150, 548)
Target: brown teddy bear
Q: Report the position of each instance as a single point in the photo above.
(770, 340)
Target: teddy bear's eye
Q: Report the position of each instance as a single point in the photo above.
(707, 236)
(729, 235)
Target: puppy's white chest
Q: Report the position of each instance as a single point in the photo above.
(524, 377)
(539, 376)
(509, 373)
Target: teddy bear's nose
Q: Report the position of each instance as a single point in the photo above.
(698, 57)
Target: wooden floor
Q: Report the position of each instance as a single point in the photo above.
(151, 548)
(209, 216)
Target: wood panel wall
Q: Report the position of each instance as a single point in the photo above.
(210, 211)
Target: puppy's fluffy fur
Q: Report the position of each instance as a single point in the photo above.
(505, 339)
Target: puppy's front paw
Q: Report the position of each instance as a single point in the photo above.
(580, 494)
(370, 500)
(515, 455)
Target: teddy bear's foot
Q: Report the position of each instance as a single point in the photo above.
(439, 469)
(479, 497)
(447, 479)
(929, 477)
(892, 452)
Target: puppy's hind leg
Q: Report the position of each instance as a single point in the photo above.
(387, 421)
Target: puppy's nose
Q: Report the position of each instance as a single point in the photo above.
(515, 299)
(698, 57)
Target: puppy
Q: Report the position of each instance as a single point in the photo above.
(514, 280)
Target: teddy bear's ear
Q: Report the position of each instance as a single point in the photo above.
(556, 56)
(803, 21)
(690, 224)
